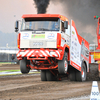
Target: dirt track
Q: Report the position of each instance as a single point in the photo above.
(30, 87)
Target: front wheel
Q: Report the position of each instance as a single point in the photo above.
(23, 66)
(63, 64)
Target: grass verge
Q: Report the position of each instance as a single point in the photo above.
(10, 71)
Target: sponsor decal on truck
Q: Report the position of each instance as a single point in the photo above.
(79, 49)
(35, 36)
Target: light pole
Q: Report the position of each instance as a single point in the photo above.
(15, 33)
(7, 53)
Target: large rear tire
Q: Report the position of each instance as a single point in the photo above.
(50, 76)
(23, 66)
(81, 76)
(43, 75)
(63, 64)
(72, 74)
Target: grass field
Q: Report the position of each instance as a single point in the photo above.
(10, 71)
(5, 62)
(2, 63)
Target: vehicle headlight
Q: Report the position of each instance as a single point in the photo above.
(52, 53)
(21, 53)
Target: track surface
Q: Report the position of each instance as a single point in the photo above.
(9, 67)
(30, 87)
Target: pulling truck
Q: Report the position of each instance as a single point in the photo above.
(47, 42)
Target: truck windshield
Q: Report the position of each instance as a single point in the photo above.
(40, 25)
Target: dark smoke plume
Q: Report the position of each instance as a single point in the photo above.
(82, 11)
(41, 6)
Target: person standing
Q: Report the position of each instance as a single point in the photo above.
(12, 58)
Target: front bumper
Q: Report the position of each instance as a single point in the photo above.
(39, 54)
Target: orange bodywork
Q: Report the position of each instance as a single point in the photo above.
(63, 18)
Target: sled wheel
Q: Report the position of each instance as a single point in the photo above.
(23, 66)
(63, 64)
(81, 76)
(50, 76)
(43, 75)
(72, 74)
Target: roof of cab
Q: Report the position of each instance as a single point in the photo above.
(63, 18)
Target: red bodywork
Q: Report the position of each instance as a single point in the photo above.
(98, 34)
(41, 58)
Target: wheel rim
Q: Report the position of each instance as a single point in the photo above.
(66, 65)
(83, 73)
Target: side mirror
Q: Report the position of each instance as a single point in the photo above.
(66, 25)
(16, 26)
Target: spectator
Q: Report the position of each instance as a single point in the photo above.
(12, 58)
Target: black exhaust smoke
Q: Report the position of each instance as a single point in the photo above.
(41, 6)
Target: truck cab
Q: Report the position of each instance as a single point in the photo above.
(40, 31)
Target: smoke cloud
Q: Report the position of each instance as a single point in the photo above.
(82, 12)
(41, 6)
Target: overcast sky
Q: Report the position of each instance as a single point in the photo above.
(12, 10)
